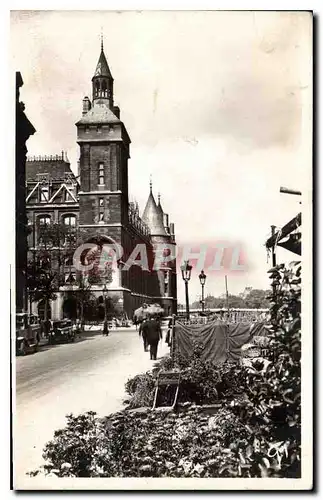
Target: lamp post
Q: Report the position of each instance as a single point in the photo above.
(202, 278)
(105, 324)
(186, 269)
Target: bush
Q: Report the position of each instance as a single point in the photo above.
(256, 432)
(147, 445)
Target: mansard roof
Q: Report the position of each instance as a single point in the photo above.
(56, 167)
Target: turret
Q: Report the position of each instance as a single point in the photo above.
(153, 217)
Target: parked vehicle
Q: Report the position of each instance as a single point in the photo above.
(28, 332)
(62, 331)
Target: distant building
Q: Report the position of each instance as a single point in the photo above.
(95, 208)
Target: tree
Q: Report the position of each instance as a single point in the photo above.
(43, 270)
(257, 299)
(42, 282)
(249, 299)
(84, 296)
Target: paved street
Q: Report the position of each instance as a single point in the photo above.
(71, 378)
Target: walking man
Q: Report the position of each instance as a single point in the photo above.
(143, 333)
(152, 331)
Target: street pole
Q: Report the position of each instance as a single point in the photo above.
(186, 269)
(105, 324)
(187, 301)
(226, 292)
(202, 298)
(273, 228)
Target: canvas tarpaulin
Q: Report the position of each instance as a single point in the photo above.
(219, 341)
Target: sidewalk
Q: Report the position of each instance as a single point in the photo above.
(88, 375)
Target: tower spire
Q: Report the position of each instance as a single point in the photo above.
(151, 184)
(102, 81)
(101, 39)
(159, 198)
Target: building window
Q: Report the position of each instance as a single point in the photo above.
(86, 129)
(101, 217)
(44, 194)
(99, 129)
(44, 220)
(101, 174)
(70, 220)
(43, 223)
(101, 202)
(68, 196)
(104, 89)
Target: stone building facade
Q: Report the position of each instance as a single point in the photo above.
(95, 207)
(24, 129)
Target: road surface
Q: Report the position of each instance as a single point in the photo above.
(71, 378)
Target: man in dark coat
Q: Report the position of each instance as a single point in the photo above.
(152, 331)
(143, 333)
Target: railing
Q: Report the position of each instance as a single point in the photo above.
(61, 157)
(136, 221)
(233, 316)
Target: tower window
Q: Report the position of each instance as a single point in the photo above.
(104, 89)
(101, 174)
(101, 202)
(101, 217)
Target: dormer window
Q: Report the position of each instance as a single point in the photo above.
(44, 194)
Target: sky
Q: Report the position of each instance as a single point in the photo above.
(217, 105)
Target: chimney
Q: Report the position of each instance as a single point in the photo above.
(86, 105)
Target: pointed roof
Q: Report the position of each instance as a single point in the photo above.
(102, 68)
(153, 217)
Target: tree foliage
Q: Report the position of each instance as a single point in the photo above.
(251, 299)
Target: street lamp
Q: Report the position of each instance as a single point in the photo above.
(202, 278)
(186, 269)
(105, 324)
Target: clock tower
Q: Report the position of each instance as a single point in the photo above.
(104, 152)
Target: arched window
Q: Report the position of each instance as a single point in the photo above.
(43, 229)
(69, 220)
(101, 174)
(44, 220)
(97, 89)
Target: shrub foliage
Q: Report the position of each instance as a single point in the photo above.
(255, 432)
